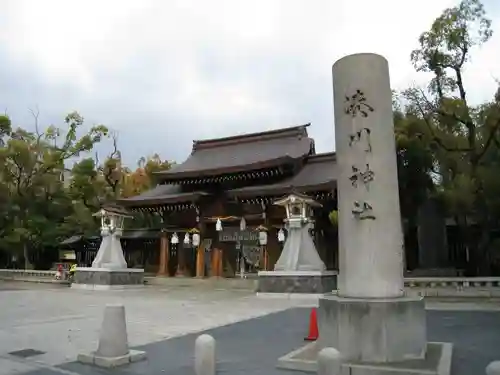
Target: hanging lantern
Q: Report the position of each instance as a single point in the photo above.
(218, 225)
(243, 224)
(196, 239)
(186, 239)
(263, 238)
(281, 235)
(174, 240)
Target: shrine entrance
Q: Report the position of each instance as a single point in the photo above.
(242, 250)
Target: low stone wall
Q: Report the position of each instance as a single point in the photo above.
(27, 275)
(482, 287)
(108, 277)
(453, 286)
(33, 276)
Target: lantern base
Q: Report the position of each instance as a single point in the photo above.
(297, 282)
(107, 279)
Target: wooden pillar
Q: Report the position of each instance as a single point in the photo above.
(163, 267)
(264, 263)
(213, 259)
(217, 265)
(200, 252)
(220, 263)
(264, 258)
(200, 260)
(181, 259)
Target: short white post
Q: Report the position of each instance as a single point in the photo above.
(493, 368)
(112, 350)
(113, 340)
(329, 362)
(204, 355)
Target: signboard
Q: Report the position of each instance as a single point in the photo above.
(234, 234)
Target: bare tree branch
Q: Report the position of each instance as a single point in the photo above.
(108, 171)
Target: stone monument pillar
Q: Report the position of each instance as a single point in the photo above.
(109, 268)
(370, 233)
(372, 323)
(299, 268)
(369, 319)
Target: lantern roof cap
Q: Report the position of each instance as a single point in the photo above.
(297, 198)
(114, 210)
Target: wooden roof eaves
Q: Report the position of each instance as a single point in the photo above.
(280, 190)
(273, 163)
(165, 200)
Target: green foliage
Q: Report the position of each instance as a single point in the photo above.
(43, 202)
(462, 139)
(333, 216)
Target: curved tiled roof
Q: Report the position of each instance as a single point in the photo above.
(162, 194)
(318, 173)
(243, 153)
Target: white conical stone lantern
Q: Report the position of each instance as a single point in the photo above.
(299, 268)
(299, 252)
(109, 268)
(110, 254)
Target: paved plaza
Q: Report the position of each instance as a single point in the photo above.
(59, 323)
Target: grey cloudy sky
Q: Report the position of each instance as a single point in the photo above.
(162, 73)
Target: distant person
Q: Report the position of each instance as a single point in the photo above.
(72, 270)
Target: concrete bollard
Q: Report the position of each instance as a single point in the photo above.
(204, 355)
(329, 362)
(112, 350)
(113, 339)
(493, 368)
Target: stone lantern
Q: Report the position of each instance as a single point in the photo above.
(299, 268)
(299, 252)
(110, 254)
(109, 268)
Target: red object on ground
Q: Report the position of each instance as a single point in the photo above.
(313, 326)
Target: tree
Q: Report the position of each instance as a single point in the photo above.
(461, 134)
(112, 170)
(33, 165)
(415, 163)
(143, 179)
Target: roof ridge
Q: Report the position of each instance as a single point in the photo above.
(299, 130)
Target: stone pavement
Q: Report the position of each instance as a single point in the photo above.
(62, 323)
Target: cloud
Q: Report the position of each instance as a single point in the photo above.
(162, 73)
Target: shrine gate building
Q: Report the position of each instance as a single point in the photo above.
(221, 198)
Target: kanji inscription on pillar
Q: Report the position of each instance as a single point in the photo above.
(362, 176)
(357, 106)
(361, 137)
(363, 210)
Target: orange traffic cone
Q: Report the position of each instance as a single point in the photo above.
(313, 326)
